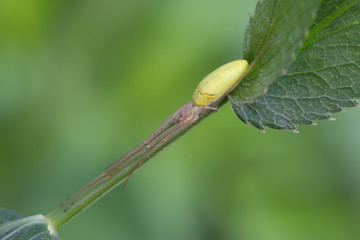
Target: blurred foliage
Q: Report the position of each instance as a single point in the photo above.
(82, 82)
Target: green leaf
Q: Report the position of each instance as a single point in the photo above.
(282, 22)
(14, 226)
(324, 79)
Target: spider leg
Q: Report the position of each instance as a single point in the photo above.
(112, 168)
(163, 139)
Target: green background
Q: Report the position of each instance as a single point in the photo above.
(82, 82)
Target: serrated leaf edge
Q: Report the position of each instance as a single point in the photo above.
(261, 126)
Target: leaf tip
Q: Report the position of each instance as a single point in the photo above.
(295, 131)
(263, 131)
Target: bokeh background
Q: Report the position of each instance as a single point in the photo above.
(82, 82)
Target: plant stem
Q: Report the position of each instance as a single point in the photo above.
(179, 123)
